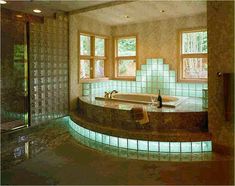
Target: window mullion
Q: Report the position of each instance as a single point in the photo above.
(92, 61)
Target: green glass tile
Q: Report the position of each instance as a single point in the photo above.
(160, 68)
(166, 73)
(172, 85)
(138, 84)
(143, 67)
(92, 135)
(172, 79)
(178, 93)
(143, 73)
(138, 73)
(192, 93)
(184, 86)
(154, 67)
(166, 85)
(165, 67)
(128, 83)
(154, 91)
(132, 144)
(138, 78)
(160, 79)
(164, 147)
(143, 85)
(178, 86)
(149, 73)
(172, 73)
(160, 61)
(196, 146)
(172, 92)
(185, 93)
(206, 146)
(143, 78)
(143, 90)
(166, 91)
(191, 86)
(142, 145)
(149, 61)
(138, 90)
(154, 61)
(154, 73)
(154, 79)
(149, 90)
(166, 79)
(185, 146)
(160, 73)
(174, 146)
(105, 139)
(199, 94)
(199, 86)
(98, 137)
(122, 142)
(154, 84)
(153, 146)
(205, 85)
(160, 85)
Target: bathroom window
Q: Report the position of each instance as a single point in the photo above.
(125, 57)
(92, 56)
(193, 64)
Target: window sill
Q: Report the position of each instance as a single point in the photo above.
(93, 80)
(192, 80)
(125, 78)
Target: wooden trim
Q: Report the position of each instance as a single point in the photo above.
(194, 55)
(92, 56)
(99, 6)
(93, 34)
(116, 57)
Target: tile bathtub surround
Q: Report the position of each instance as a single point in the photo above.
(153, 76)
(49, 69)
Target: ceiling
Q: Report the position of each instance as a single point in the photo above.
(142, 11)
(137, 11)
(49, 7)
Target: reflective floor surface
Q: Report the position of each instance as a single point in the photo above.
(53, 154)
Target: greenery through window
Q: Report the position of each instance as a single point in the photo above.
(92, 56)
(126, 56)
(193, 55)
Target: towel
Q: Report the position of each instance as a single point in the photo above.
(140, 115)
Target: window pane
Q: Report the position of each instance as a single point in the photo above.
(126, 67)
(127, 47)
(194, 68)
(84, 69)
(85, 45)
(99, 46)
(99, 68)
(194, 42)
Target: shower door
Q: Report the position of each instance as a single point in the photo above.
(14, 75)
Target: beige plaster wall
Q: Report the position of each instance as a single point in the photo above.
(220, 23)
(159, 38)
(80, 23)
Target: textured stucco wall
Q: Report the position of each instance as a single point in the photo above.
(80, 23)
(159, 39)
(220, 22)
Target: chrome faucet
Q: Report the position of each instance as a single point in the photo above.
(107, 94)
(111, 93)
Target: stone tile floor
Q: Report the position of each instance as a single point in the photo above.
(52, 154)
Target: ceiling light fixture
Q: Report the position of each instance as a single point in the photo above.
(126, 16)
(162, 11)
(3, 2)
(37, 11)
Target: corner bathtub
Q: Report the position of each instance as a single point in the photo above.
(168, 101)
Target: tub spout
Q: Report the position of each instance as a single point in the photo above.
(111, 93)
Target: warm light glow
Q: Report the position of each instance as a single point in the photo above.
(162, 11)
(37, 11)
(126, 16)
(3, 2)
(19, 16)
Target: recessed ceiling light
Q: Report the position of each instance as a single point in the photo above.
(126, 16)
(3, 2)
(37, 11)
(19, 16)
(162, 11)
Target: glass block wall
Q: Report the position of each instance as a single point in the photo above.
(205, 98)
(153, 76)
(49, 69)
(143, 145)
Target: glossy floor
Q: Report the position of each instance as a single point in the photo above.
(51, 154)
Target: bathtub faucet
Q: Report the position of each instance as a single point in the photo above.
(111, 93)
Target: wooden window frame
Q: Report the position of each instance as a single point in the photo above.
(117, 58)
(182, 56)
(92, 56)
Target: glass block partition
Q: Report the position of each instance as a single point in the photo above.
(142, 145)
(49, 69)
(153, 76)
(205, 98)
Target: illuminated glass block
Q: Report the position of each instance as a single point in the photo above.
(164, 146)
(106, 139)
(142, 145)
(174, 146)
(123, 142)
(132, 144)
(196, 146)
(153, 146)
(81, 131)
(92, 135)
(185, 146)
(113, 141)
(206, 146)
(98, 137)
(86, 133)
